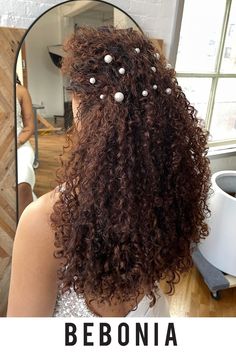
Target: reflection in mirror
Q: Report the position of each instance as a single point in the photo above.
(44, 110)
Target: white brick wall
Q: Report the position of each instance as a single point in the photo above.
(30, 10)
(155, 17)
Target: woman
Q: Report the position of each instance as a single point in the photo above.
(131, 196)
(25, 153)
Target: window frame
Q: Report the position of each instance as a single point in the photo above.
(215, 76)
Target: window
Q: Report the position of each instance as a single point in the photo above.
(227, 52)
(206, 65)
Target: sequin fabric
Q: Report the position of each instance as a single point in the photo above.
(71, 304)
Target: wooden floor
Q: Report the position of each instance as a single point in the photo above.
(50, 146)
(192, 297)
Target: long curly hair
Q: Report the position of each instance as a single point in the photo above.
(133, 186)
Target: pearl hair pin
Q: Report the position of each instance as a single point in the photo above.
(119, 97)
(108, 59)
(92, 80)
(145, 93)
(122, 71)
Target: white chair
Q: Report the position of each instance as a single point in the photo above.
(219, 248)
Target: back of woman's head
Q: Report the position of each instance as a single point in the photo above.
(137, 177)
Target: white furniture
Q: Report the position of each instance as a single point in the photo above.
(219, 248)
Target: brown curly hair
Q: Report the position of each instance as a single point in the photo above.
(137, 177)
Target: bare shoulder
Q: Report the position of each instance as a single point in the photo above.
(35, 238)
(33, 286)
(41, 209)
(21, 90)
(34, 223)
(46, 201)
(22, 93)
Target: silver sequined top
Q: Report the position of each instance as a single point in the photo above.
(71, 304)
(19, 121)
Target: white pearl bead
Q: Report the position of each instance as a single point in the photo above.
(119, 96)
(144, 93)
(157, 55)
(137, 50)
(122, 71)
(154, 87)
(168, 66)
(153, 69)
(102, 96)
(92, 80)
(108, 58)
(168, 91)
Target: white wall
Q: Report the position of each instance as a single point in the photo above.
(122, 21)
(94, 18)
(44, 79)
(45, 82)
(155, 17)
(227, 162)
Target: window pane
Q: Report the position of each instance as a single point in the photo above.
(223, 125)
(229, 54)
(197, 91)
(200, 35)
